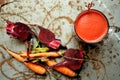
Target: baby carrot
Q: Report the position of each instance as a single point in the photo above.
(34, 67)
(62, 69)
(43, 54)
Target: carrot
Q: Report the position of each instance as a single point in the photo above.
(62, 69)
(34, 67)
(43, 54)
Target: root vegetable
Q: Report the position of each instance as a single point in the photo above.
(34, 67)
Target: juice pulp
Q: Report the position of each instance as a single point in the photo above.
(91, 26)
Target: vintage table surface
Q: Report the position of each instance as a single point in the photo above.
(59, 17)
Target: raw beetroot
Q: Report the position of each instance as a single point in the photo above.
(19, 30)
(48, 38)
(73, 59)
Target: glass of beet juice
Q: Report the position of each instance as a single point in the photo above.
(91, 26)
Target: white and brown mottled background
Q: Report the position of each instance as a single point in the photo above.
(59, 17)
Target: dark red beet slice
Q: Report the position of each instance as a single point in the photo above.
(48, 38)
(19, 30)
(73, 59)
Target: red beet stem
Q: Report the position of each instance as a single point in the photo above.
(54, 44)
(28, 53)
(8, 22)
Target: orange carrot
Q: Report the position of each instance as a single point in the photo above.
(43, 54)
(34, 67)
(62, 69)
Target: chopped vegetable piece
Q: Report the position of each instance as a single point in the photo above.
(48, 38)
(19, 30)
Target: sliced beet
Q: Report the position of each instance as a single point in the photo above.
(48, 38)
(19, 30)
(73, 59)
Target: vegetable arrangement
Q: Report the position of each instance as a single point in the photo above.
(37, 58)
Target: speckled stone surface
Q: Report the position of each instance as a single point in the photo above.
(102, 60)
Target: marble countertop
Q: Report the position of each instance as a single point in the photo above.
(59, 17)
